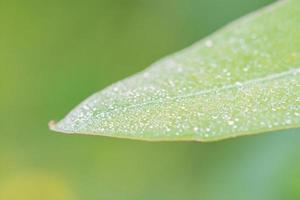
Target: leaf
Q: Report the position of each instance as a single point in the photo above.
(244, 79)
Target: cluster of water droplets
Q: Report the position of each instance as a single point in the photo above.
(228, 84)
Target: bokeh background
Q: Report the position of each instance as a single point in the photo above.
(54, 54)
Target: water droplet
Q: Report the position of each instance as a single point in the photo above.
(85, 107)
(196, 129)
(209, 43)
(230, 122)
(238, 83)
(214, 117)
(245, 69)
(115, 89)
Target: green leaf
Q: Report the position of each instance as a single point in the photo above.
(244, 79)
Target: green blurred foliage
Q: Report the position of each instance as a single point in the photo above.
(53, 54)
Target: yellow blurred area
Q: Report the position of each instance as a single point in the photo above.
(36, 186)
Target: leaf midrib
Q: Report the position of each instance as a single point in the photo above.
(269, 77)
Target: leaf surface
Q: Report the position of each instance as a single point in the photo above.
(244, 79)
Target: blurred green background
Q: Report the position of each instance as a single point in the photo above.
(53, 54)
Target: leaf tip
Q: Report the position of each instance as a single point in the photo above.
(52, 125)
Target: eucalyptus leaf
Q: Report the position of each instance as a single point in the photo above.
(244, 79)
